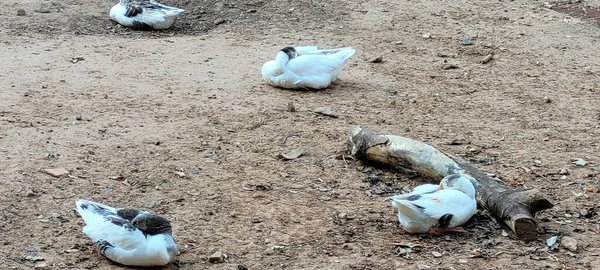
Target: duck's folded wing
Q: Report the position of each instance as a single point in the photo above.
(104, 222)
(446, 202)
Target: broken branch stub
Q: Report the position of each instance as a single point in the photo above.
(515, 207)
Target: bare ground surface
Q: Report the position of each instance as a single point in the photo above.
(179, 121)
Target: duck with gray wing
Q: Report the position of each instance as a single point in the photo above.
(144, 14)
(305, 67)
(436, 209)
(128, 236)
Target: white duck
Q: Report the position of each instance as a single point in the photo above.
(144, 14)
(128, 236)
(305, 67)
(436, 209)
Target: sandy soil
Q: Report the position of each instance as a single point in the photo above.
(180, 122)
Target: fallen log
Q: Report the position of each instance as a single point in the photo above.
(516, 208)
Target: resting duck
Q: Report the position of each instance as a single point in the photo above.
(436, 209)
(128, 236)
(144, 14)
(305, 67)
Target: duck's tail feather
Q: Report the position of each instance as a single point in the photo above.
(93, 212)
(168, 11)
(345, 53)
(338, 53)
(405, 208)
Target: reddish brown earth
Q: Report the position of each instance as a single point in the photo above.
(132, 115)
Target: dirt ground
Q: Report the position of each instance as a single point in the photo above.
(180, 122)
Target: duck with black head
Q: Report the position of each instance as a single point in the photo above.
(144, 14)
(128, 236)
(305, 67)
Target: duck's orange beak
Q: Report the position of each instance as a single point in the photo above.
(440, 187)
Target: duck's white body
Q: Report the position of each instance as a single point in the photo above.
(128, 245)
(144, 14)
(429, 208)
(305, 67)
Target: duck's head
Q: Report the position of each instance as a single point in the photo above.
(458, 182)
(151, 224)
(284, 55)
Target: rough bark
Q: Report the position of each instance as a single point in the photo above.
(516, 208)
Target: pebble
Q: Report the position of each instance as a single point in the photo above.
(551, 241)
(449, 66)
(58, 172)
(293, 154)
(569, 243)
(427, 35)
(216, 257)
(563, 171)
(29, 193)
(328, 111)
(466, 42)
(436, 254)
(40, 266)
(78, 117)
(34, 258)
(291, 107)
(21, 12)
(579, 162)
(180, 174)
(377, 59)
(423, 266)
(462, 261)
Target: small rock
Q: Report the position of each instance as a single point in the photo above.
(423, 267)
(399, 42)
(150, 204)
(342, 215)
(547, 100)
(569, 243)
(34, 258)
(216, 257)
(486, 59)
(466, 42)
(21, 12)
(31, 249)
(377, 59)
(40, 266)
(78, 117)
(219, 21)
(291, 107)
(292, 154)
(563, 171)
(74, 250)
(427, 36)
(75, 60)
(462, 261)
(57, 172)
(551, 242)
(30, 193)
(328, 111)
(449, 66)
(180, 174)
(436, 254)
(579, 162)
